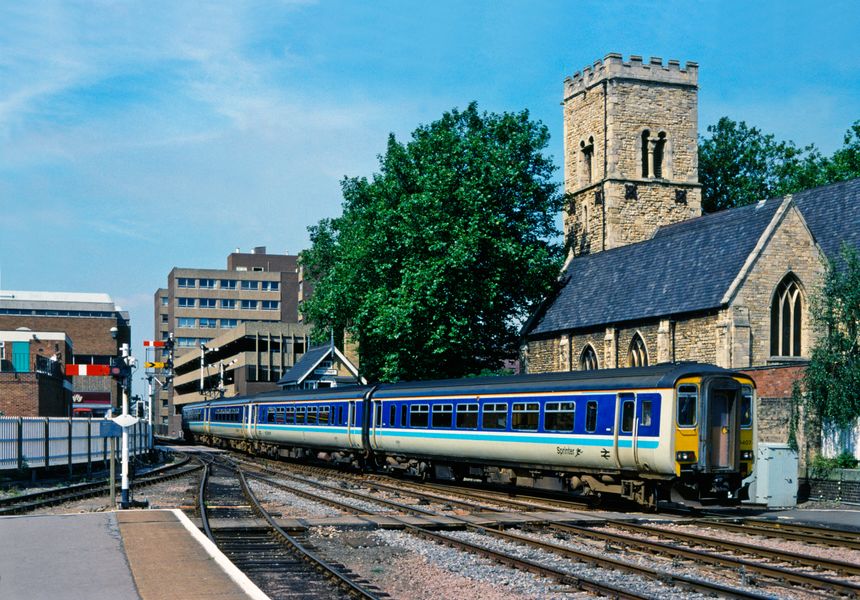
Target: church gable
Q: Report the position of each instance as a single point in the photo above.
(685, 268)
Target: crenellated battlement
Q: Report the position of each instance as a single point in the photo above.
(613, 66)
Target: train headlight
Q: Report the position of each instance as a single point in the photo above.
(746, 455)
(685, 456)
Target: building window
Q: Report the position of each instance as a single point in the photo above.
(186, 322)
(208, 323)
(645, 154)
(207, 302)
(164, 318)
(164, 301)
(587, 159)
(271, 286)
(186, 302)
(229, 323)
(659, 147)
(186, 342)
(249, 305)
(588, 359)
(271, 305)
(184, 282)
(786, 318)
(208, 284)
(250, 285)
(637, 356)
(228, 304)
(228, 284)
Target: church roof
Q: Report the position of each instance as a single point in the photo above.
(687, 266)
(833, 215)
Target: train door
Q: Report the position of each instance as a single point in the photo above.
(720, 434)
(375, 421)
(625, 425)
(353, 440)
(248, 421)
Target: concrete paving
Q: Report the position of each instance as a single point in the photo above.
(129, 555)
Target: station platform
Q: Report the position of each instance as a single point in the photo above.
(134, 554)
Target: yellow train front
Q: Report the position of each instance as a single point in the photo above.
(713, 436)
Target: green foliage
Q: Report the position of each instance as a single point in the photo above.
(820, 466)
(739, 165)
(439, 257)
(832, 379)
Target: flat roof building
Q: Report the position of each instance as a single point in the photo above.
(199, 305)
(80, 321)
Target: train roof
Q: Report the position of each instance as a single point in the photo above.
(658, 376)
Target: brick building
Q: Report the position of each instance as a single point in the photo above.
(649, 279)
(32, 378)
(199, 305)
(85, 320)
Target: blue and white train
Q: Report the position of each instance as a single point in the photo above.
(644, 434)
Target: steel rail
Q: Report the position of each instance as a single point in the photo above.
(788, 531)
(580, 556)
(806, 560)
(317, 561)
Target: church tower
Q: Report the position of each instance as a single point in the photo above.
(631, 152)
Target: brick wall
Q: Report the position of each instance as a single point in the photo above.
(33, 395)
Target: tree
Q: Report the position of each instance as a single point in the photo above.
(439, 256)
(832, 380)
(739, 165)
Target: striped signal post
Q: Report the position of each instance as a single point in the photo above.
(167, 370)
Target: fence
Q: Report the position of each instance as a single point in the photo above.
(32, 442)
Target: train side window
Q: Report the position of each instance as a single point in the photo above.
(312, 415)
(467, 416)
(270, 415)
(646, 413)
(392, 415)
(403, 410)
(443, 415)
(340, 415)
(746, 406)
(300, 415)
(559, 416)
(627, 413)
(591, 416)
(495, 416)
(352, 413)
(419, 415)
(378, 411)
(289, 415)
(525, 416)
(688, 399)
(323, 415)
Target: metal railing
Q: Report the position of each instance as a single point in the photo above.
(42, 442)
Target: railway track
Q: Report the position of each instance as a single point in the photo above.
(674, 552)
(279, 563)
(562, 576)
(54, 496)
(787, 531)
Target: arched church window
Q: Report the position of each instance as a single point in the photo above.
(588, 359)
(587, 159)
(786, 318)
(659, 148)
(637, 356)
(645, 154)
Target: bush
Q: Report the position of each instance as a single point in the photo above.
(821, 466)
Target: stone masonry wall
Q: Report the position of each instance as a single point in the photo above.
(631, 220)
(789, 250)
(695, 339)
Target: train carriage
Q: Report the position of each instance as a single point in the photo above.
(683, 429)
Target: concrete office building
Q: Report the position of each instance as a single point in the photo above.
(201, 304)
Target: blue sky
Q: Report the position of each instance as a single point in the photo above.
(135, 137)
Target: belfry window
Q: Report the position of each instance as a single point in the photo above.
(637, 356)
(645, 154)
(588, 359)
(587, 159)
(659, 147)
(786, 318)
